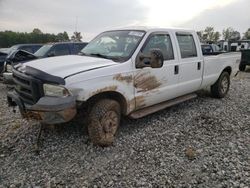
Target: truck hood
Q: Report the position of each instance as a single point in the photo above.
(66, 66)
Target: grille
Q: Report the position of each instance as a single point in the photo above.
(29, 89)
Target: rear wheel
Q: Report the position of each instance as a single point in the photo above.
(242, 67)
(221, 87)
(104, 120)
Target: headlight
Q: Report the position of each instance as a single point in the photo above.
(9, 68)
(55, 90)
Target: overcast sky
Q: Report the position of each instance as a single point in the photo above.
(94, 16)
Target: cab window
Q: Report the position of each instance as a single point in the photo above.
(186, 45)
(61, 49)
(162, 42)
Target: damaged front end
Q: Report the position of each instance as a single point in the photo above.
(31, 96)
(15, 57)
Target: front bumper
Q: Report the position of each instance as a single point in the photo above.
(48, 110)
(8, 78)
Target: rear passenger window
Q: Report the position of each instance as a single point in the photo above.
(61, 49)
(187, 45)
(79, 47)
(162, 42)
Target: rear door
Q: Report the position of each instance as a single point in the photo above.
(191, 63)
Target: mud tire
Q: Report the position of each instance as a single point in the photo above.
(103, 122)
(222, 85)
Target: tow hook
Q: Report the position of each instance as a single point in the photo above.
(38, 137)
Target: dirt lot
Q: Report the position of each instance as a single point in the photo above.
(200, 143)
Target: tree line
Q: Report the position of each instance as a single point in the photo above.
(228, 34)
(10, 38)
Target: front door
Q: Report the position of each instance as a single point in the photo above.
(155, 85)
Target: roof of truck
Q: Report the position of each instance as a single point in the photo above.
(150, 28)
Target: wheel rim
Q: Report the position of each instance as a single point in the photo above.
(224, 85)
(110, 123)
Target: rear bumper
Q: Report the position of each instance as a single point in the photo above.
(49, 110)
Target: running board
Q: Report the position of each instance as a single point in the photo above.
(155, 108)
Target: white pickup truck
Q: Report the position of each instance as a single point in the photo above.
(129, 72)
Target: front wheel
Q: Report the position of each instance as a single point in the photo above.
(221, 87)
(104, 120)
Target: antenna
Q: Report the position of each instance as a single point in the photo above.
(76, 23)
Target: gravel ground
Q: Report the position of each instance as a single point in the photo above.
(200, 143)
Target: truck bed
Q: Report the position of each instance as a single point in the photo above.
(213, 65)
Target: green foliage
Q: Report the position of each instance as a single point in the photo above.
(247, 34)
(209, 35)
(230, 34)
(77, 37)
(10, 38)
(62, 37)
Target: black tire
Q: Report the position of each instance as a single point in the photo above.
(242, 67)
(103, 122)
(222, 85)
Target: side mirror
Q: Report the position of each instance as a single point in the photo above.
(155, 58)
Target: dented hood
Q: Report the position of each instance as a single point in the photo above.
(65, 66)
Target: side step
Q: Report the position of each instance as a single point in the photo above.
(155, 108)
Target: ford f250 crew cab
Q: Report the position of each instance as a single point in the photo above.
(130, 72)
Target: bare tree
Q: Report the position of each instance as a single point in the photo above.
(76, 36)
(209, 35)
(230, 34)
(247, 34)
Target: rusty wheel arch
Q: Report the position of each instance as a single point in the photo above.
(110, 95)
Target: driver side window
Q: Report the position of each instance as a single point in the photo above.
(162, 42)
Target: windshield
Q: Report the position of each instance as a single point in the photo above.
(43, 50)
(15, 47)
(115, 45)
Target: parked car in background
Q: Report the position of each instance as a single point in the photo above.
(58, 49)
(245, 59)
(32, 48)
(2, 60)
(4, 50)
(47, 50)
(130, 72)
(211, 49)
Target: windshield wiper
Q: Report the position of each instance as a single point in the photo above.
(99, 55)
(116, 59)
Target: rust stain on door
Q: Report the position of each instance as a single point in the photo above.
(145, 82)
(137, 102)
(119, 77)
